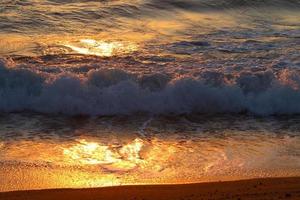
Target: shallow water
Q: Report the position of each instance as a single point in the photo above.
(57, 152)
(97, 93)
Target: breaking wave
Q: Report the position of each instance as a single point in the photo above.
(114, 92)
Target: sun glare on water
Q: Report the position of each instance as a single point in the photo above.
(101, 48)
(92, 153)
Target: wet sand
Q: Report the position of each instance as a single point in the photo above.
(267, 188)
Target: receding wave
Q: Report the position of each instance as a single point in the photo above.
(114, 92)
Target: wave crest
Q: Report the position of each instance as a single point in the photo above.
(114, 92)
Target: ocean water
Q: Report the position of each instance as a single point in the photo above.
(111, 92)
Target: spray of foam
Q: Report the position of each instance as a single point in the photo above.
(114, 91)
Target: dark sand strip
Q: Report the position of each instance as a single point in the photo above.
(268, 188)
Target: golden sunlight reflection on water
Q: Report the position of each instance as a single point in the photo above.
(101, 48)
(96, 161)
(84, 162)
(92, 153)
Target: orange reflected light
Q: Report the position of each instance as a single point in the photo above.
(101, 48)
(131, 151)
(92, 153)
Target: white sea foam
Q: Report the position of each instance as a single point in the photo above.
(113, 92)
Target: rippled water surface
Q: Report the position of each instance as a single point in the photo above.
(97, 93)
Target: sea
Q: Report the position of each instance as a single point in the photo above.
(97, 93)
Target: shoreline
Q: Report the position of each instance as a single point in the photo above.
(259, 188)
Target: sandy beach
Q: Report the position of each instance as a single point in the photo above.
(267, 188)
